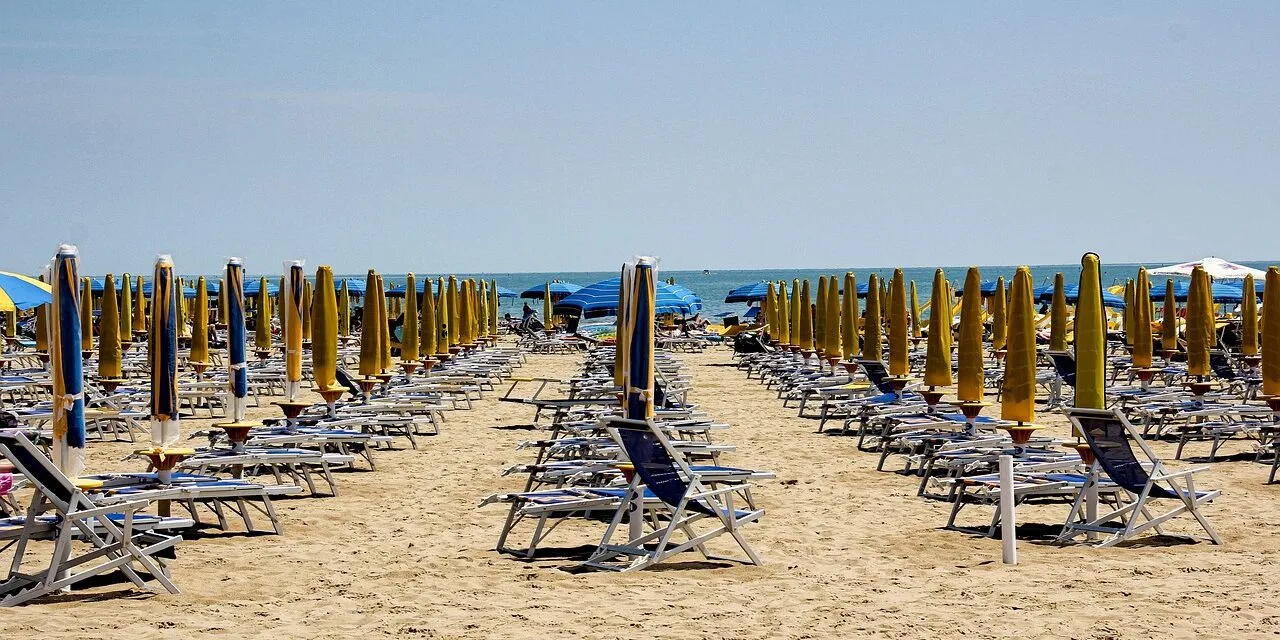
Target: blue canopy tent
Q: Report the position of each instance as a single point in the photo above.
(559, 290)
(601, 299)
(1072, 291)
(752, 292)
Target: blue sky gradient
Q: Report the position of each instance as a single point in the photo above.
(522, 136)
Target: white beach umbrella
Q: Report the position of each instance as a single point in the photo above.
(1217, 268)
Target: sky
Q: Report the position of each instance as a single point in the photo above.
(549, 136)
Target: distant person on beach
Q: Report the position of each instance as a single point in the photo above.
(528, 312)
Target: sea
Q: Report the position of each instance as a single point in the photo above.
(714, 285)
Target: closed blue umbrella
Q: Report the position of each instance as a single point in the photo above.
(559, 290)
(237, 371)
(163, 350)
(638, 384)
(65, 358)
(601, 299)
(750, 292)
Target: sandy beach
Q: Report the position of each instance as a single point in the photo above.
(848, 551)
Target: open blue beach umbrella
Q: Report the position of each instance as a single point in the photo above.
(252, 287)
(19, 292)
(1221, 292)
(355, 286)
(66, 362)
(986, 287)
(750, 292)
(559, 290)
(1044, 294)
(695, 302)
(237, 371)
(504, 292)
(163, 351)
(601, 299)
(419, 283)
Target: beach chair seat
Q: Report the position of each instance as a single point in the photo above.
(1110, 436)
(108, 530)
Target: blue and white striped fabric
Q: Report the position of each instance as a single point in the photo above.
(751, 292)
(163, 349)
(238, 374)
(65, 359)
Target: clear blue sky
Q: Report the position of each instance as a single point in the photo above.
(571, 135)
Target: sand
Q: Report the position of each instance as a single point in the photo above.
(848, 551)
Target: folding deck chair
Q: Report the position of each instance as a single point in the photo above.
(1109, 435)
(690, 497)
(109, 529)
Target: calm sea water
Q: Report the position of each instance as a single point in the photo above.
(713, 286)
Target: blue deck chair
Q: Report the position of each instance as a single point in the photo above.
(1109, 435)
(723, 500)
(1064, 365)
(1245, 386)
(108, 529)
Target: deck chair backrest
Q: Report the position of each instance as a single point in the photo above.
(1109, 436)
(1221, 366)
(1065, 364)
(877, 374)
(36, 466)
(656, 462)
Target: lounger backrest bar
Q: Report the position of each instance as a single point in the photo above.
(1108, 437)
(654, 463)
(35, 465)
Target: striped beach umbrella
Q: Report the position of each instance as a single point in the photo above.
(292, 298)
(622, 337)
(1091, 337)
(237, 374)
(19, 292)
(324, 332)
(163, 351)
(638, 384)
(65, 359)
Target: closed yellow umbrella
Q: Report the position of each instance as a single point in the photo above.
(409, 330)
(969, 371)
(914, 299)
(819, 317)
(139, 309)
(292, 296)
(849, 318)
(42, 326)
(1197, 334)
(1169, 328)
(384, 329)
(109, 333)
(784, 315)
(427, 332)
(1130, 311)
(1142, 348)
(200, 325)
(180, 308)
(547, 318)
(11, 324)
(898, 332)
(223, 310)
(1018, 399)
(370, 350)
(86, 314)
(1249, 319)
(1058, 315)
(771, 313)
(831, 324)
(1271, 333)
(465, 327)
(126, 310)
(452, 323)
(482, 318)
(494, 304)
(1091, 337)
(442, 318)
(324, 335)
(795, 312)
(937, 364)
(871, 323)
(999, 322)
(344, 310)
(280, 306)
(806, 320)
(262, 320)
(307, 295)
